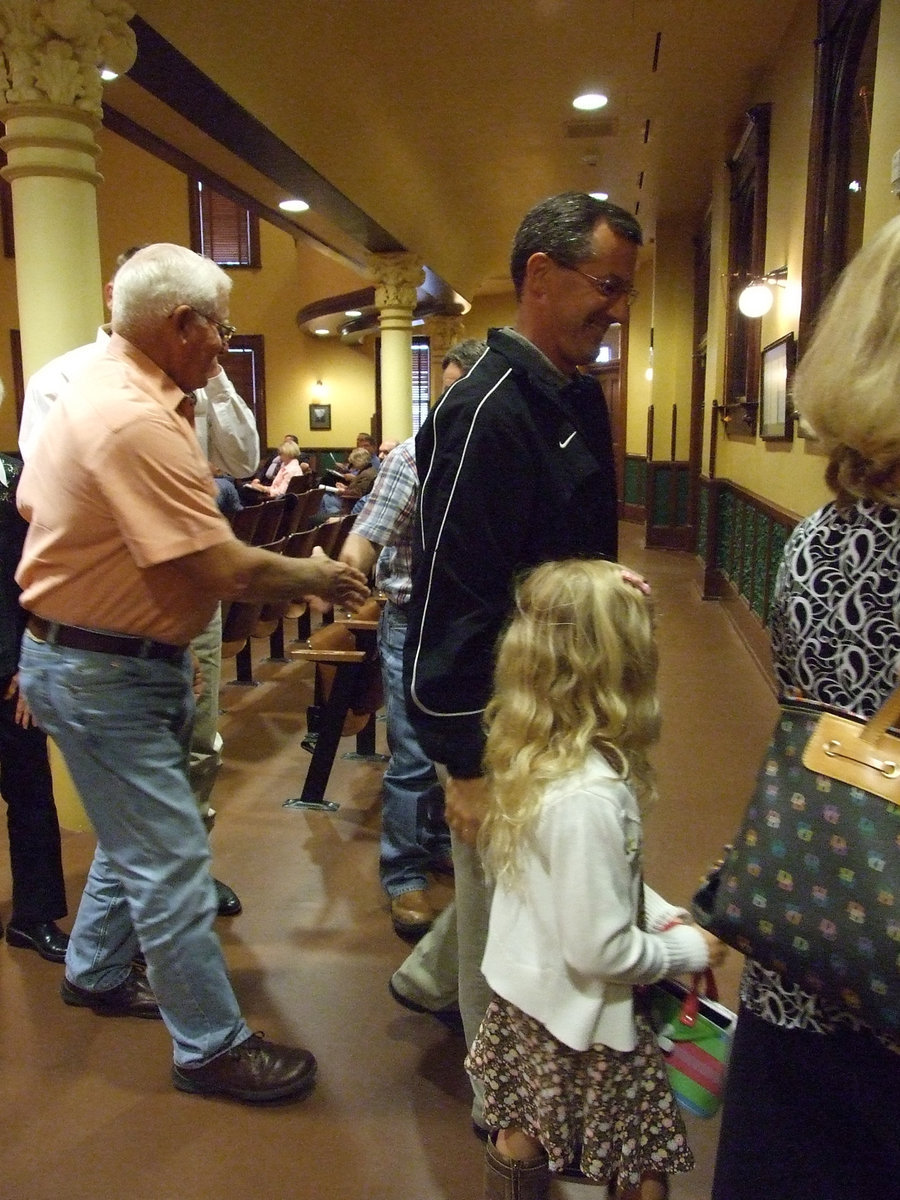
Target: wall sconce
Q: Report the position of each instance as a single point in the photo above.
(648, 374)
(757, 297)
(318, 390)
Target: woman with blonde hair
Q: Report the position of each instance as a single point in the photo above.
(571, 1069)
(812, 1101)
(291, 467)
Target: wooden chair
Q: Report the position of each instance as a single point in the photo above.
(265, 620)
(300, 508)
(238, 620)
(298, 545)
(348, 694)
(300, 484)
(269, 521)
(245, 521)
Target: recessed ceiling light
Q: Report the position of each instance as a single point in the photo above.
(294, 206)
(590, 101)
(321, 332)
(353, 312)
(600, 195)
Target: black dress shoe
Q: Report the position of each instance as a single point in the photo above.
(449, 1017)
(228, 903)
(131, 998)
(256, 1071)
(44, 936)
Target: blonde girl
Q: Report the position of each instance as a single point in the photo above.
(570, 1067)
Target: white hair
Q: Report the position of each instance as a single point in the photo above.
(160, 277)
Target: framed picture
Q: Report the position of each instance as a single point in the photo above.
(776, 417)
(320, 416)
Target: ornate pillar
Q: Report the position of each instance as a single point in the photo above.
(396, 278)
(50, 58)
(444, 331)
(50, 81)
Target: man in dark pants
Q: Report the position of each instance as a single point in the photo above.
(525, 402)
(39, 892)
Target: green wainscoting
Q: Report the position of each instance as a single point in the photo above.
(740, 542)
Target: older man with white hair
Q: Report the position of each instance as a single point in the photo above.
(126, 557)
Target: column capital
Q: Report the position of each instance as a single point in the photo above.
(51, 52)
(444, 330)
(397, 276)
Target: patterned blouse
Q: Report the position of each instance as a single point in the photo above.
(835, 625)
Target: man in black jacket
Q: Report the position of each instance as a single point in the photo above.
(525, 402)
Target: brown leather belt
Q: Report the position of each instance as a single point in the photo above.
(76, 638)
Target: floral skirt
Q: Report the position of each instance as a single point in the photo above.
(610, 1113)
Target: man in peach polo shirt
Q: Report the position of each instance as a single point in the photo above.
(126, 558)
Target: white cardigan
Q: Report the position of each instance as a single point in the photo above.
(563, 944)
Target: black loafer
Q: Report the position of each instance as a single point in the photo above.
(228, 903)
(43, 936)
(131, 998)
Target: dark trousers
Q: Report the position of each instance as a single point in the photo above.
(39, 892)
(808, 1116)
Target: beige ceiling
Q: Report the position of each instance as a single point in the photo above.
(445, 120)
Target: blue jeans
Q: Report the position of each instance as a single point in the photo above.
(123, 726)
(413, 831)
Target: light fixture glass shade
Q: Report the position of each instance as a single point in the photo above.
(590, 101)
(756, 299)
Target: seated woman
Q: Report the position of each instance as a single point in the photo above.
(289, 454)
(357, 483)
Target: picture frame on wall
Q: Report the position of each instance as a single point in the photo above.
(320, 416)
(776, 415)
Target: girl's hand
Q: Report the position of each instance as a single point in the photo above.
(717, 950)
(466, 804)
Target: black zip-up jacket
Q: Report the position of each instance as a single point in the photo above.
(515, 468)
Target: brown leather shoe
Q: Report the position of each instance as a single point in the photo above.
(411, 913)
(131, 998)
(254, 1071)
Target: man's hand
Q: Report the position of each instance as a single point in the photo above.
(197, 685)
(23, 715)
(465, 807)
(336, 582)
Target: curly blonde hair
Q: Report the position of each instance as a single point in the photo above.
(847, 385)
(576, 671)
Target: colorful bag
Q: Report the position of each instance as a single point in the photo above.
(811, 886)
(694, 1033)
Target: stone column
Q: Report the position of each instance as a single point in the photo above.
(396, 278)
(50, 81)
(444, 331)
(50, 58)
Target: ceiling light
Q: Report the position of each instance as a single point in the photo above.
(294, 206)
(353, 312)
(590, 101)
(600, 195)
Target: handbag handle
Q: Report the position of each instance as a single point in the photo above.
(882, 721)
(691, 1005)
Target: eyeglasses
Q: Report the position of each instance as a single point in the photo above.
(226, 331)
(610, 287)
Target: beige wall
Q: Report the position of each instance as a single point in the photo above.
(788, 474)
(881, 203)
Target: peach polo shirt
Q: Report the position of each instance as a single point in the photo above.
(118, 483)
